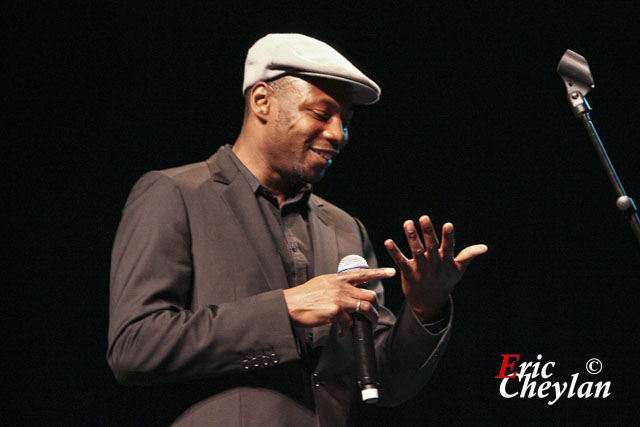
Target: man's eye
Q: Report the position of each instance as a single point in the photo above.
(321, 116)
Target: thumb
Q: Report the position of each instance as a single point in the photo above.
(468, 254)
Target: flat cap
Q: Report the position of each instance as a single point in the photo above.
(275, 55)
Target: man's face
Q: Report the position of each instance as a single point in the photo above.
(310, 128)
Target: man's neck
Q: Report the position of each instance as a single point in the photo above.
(278, 185)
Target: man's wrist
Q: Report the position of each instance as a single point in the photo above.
(435, 322)
(429, 316)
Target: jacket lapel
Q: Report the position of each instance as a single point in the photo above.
(243, 204)
(323, 239)
(335, 351)
(325, 253)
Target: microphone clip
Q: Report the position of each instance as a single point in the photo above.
(574, 70)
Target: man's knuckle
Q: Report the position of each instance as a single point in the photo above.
(334, 310)
(341, 294)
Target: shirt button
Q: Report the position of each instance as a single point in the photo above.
(316, 381)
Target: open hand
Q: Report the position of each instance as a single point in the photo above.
(431, 274)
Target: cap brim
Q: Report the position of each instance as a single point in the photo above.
(362, 93)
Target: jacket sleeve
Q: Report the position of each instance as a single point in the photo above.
(406, 352)
(154, 334)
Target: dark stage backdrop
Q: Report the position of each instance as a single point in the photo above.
(473, 127)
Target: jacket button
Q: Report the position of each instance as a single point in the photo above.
(265, 360)
(255, 361)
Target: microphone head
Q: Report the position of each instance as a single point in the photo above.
(352, 262)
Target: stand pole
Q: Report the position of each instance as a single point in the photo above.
(624, 203)
(576, 75)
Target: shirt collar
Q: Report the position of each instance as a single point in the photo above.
(301, 197)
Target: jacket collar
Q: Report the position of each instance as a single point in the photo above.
(221, 165)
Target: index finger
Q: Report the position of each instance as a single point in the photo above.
(360, 276)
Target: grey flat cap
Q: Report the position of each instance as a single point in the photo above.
(275, 55)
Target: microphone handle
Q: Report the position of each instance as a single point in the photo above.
(366, 370)
(362, 333)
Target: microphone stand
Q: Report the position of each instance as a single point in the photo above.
(576, 75)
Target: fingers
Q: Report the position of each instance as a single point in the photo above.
(357, 299)
(360, 276)
(396, 255)
(429, 235)
(331, 298)
(345, 323)
(436, 252)
(368, 310)
(431, 241)
(361, 306)
(448, 241)
(415, 244)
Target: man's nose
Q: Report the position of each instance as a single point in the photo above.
(336, 133)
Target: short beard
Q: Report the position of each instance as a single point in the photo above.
(301, 177)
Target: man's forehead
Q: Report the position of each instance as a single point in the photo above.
(328, 89)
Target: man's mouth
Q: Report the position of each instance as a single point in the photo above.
(328, 155)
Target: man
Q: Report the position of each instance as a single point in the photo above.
(224, 271)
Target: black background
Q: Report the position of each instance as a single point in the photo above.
(473, 127)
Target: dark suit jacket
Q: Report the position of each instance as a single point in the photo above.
(196, 294)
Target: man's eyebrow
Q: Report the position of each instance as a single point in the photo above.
(326, 102)
(346, 113)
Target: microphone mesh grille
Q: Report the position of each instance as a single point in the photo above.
(352, 262)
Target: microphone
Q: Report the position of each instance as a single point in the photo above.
(365, 356)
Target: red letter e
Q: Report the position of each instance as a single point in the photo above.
(505, 365)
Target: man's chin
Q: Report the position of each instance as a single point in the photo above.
(311, 178)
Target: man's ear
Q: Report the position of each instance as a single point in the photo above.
(261, 100)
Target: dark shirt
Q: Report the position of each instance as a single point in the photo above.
(288, 225)
(289, 228)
